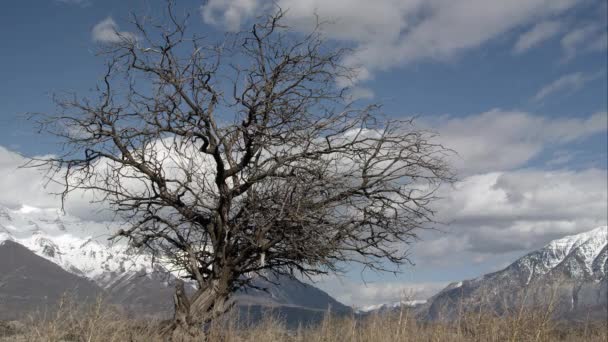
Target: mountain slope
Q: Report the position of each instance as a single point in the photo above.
(570, 272)
(129, 277)
(286, 291)
(29, 282)
(79, 247)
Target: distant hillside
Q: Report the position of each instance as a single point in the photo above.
(29, 282)
(571, 272)
(286, 291)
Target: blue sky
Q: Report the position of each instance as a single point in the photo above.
(518, 88)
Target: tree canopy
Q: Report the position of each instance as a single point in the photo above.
(234, 158)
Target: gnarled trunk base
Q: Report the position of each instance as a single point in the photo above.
(192, 314)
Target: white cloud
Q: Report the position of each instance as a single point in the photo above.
(538, 34)
(491, 141)
(21, 186)
(360, 294)
(501, 212)
(589, 38)
(500, 140)
(567, 83)
(438, 246)
(390, 33)
(108, 32)
(228, 14)
(29, 186)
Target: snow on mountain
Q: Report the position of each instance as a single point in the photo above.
(391, 306)
(30, 283)
(80, 247)
(573, 270)
(586, 247)
(580, 258)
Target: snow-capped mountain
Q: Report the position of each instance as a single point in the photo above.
(391, 306)
(129, 277)
(29, 283)
(126, 276)
(583, 256)
(77, 246)
(572, 270)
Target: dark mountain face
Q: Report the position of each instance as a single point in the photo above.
(287, 299)
(29, 282)
(286, 291)
(141, 292)
(569, 273)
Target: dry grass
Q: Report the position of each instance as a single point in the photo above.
(99, 322)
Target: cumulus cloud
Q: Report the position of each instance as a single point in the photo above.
(498, 207)
(501, 212)
(21, 186)
(567, 83)
(108, 32)
(389, 33)
(228, 14)
(29, 186)
(492, 141)
(500, 140)
(536, 35)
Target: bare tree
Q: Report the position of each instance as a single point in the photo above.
(234, 158)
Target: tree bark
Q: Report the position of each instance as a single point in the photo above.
(191, 314)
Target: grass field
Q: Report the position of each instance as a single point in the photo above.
(97, 323)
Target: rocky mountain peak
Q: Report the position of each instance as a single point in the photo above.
(572, 268)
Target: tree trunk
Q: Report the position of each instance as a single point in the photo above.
(191, 314)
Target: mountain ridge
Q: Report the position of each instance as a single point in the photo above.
(573, 269)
